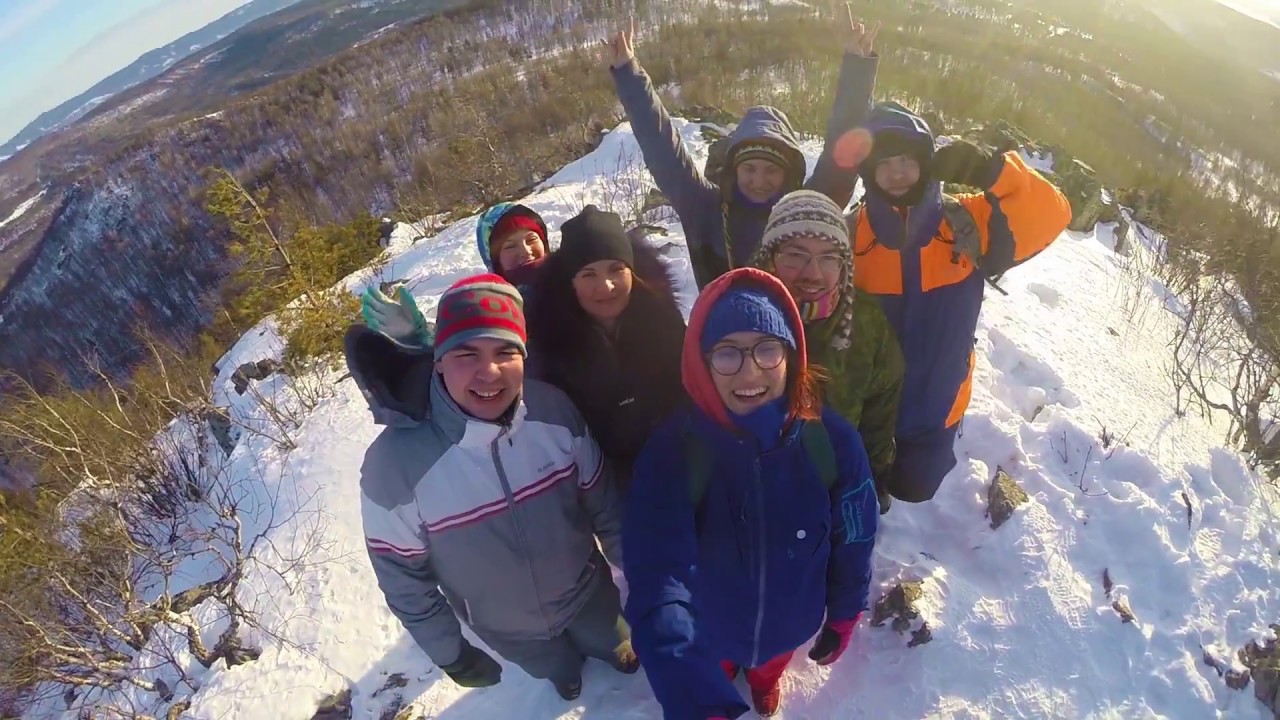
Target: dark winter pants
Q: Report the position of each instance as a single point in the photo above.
(921, 464)
(764, 678)
(596, 632)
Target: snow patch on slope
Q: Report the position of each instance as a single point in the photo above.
(22, 209)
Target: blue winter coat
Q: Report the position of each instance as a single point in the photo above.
(700, 202)
(754, 570)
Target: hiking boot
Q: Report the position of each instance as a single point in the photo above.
(569, 690)
(767, 702)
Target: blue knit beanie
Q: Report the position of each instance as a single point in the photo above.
(745, 309)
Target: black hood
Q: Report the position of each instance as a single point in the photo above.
(395, 379)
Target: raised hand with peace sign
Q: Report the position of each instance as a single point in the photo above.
(618, 51)
(862, 37)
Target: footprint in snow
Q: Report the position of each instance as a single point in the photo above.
(1047, 295)
(1024, 382)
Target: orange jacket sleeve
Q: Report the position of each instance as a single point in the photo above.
(1020, 215)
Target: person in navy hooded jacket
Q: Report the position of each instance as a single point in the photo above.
(724, 217)
(751, 516)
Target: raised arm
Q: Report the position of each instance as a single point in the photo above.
(835, 174)
(661, 547)
(1019, 213)
(674, 171)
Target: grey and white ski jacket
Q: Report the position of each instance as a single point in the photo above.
(493, 523)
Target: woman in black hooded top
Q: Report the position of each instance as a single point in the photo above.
(605, 328)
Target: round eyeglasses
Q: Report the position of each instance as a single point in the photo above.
(766, 354)
(799, 260)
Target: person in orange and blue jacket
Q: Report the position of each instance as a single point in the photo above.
(907, 256)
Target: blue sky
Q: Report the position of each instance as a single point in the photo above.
(52, 50)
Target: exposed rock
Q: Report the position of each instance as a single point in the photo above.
(235, 653)
(385, 228)
(1003, 497)
(389, 287)
(394, 709)
(1210, 661)
(176, 710)
(396, 680)
(712, 134)
(921, 636)
(643, 231)
(219, 420)
(900, 604)
(1149, 206)
(1238, 679)
(1123, 228)
(1263, 661)
(1107, 584)
(709, 114)
(1079, 183)
(1121, 606)
(654, 200)
(935, 121)
(335, 707)
(247, 372)
(1000, 135)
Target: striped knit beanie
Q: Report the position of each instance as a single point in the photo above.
(760, 150)
(481, 306)
(805, 212)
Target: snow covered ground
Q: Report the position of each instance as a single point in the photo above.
(1021, 623)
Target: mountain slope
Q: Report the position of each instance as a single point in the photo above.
(1222, 30)
(1070, 397)
(147, 66)
(302, 35)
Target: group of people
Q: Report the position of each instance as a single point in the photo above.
(559, 417)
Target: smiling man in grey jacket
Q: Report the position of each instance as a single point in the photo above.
(483, 499)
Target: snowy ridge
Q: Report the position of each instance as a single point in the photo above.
(1021, 623)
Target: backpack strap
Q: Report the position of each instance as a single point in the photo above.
(968, 241)
(813, 437)
(697, 458)
(817, 445)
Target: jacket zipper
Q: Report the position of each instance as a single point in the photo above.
(515, 520)
(760, 548)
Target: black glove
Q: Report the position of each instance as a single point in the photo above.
(965, 163)
(473, 668)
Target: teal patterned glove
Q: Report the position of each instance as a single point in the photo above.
(396, 317)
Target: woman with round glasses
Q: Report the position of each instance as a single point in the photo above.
(806, 246)
(751, 516)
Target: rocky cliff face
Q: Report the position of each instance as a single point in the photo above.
(118, 255)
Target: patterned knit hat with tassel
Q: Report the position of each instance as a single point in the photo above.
(805, 212)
